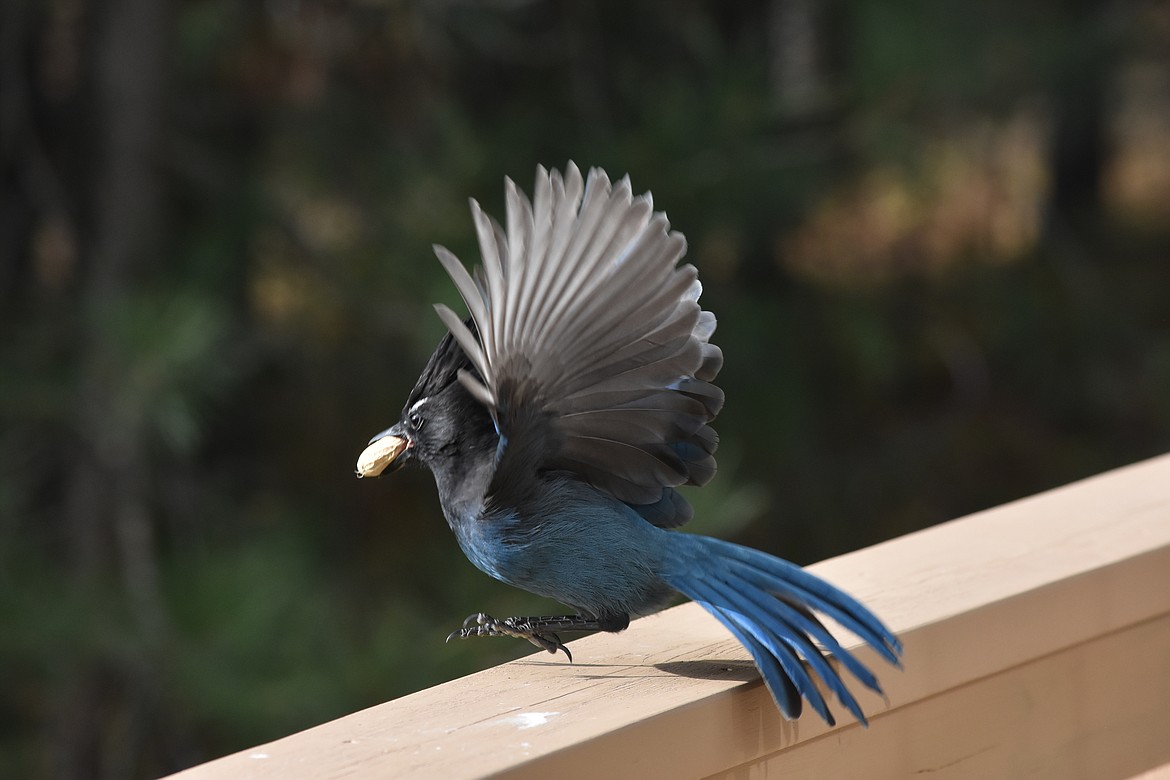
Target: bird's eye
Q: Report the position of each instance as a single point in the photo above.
(416, 420)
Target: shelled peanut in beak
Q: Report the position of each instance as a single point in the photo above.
(380, 454)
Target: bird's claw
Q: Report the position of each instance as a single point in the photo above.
(482, 624)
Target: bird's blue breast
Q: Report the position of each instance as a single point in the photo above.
(571, 543)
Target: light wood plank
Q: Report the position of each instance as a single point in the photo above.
(1098, 710)
(674, 697)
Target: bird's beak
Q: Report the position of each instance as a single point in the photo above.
(387, 449)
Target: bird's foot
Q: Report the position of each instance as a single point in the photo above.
(532, 629)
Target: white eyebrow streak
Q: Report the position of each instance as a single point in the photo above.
(418, 404)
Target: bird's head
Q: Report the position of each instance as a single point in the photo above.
(440, 421)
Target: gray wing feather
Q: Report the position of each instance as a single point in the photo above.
(585, 320)
(466, 340)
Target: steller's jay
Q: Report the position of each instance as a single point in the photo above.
(559, 418)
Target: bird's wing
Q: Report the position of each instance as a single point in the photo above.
(594, 354)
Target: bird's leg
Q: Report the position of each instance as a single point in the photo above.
(540, 631)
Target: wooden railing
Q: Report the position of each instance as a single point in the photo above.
(1037, 644)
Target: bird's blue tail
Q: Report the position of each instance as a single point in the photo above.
(767, 604)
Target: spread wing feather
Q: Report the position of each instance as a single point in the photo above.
(590, 348)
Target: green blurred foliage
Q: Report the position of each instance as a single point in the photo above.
(188, 370)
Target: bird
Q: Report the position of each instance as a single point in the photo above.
(561, 415)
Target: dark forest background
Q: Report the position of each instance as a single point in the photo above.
(936, 234)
